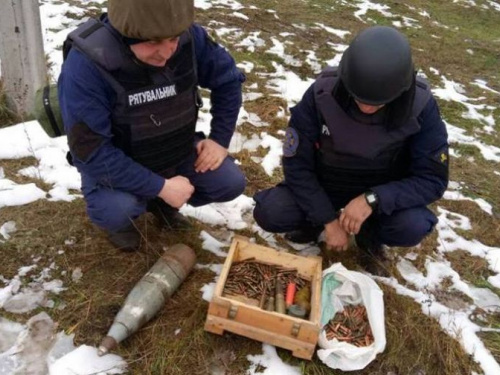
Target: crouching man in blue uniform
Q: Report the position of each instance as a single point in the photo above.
(365, 152)
(129, 98)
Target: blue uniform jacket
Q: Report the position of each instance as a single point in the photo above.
(86, 97)
(428, 167)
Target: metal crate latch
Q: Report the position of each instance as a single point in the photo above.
(232, 312)
(295, 329)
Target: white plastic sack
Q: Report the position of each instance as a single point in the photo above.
(356, 288)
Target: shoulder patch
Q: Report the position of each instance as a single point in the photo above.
(291, 142)
(442, 156)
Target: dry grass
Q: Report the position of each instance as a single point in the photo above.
(479, 179)
(257, 178)
(7, 116)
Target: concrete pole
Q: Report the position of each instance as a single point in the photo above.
(22, 57)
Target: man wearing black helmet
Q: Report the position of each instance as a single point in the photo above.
(365, 152)
(129, 98)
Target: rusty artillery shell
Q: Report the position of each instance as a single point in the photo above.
(280, 299)
(150, 294)
(270, 304)
(263, 297)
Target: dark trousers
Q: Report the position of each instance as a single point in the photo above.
(277, 211)
(113, 210)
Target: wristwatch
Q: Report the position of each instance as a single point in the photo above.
(371, 198)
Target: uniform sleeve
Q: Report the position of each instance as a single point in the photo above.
(428, 167)
(217, 72)
(299, 162)
(86, 103)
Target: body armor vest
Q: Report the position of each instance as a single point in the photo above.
(155, 112)
(353, 157)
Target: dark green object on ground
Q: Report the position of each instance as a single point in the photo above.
(48, 112)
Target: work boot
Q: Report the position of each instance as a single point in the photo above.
(374, 261)
(127, 239)
(168, 216)
(304, 235)
(371, 255)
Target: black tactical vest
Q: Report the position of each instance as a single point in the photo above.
(352, 156)
(156, 109)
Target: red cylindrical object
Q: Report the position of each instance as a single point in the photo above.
(290, 294)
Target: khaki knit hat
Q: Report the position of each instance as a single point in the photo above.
(151, 19)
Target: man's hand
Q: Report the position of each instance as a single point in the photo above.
(355, 214)
(176, 191)
(336, 238)
(210, 156)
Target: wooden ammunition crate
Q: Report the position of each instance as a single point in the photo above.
(226, 313)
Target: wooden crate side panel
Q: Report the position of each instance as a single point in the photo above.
(213, 328)
(219, 307)
(299, 348)
(316, 296)
(306, 266)
(280, 324)
(268, 321)
(232, 254)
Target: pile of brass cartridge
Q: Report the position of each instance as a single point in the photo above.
(351, 326)
(268, 284)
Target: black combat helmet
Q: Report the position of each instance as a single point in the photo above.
(377, 67)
